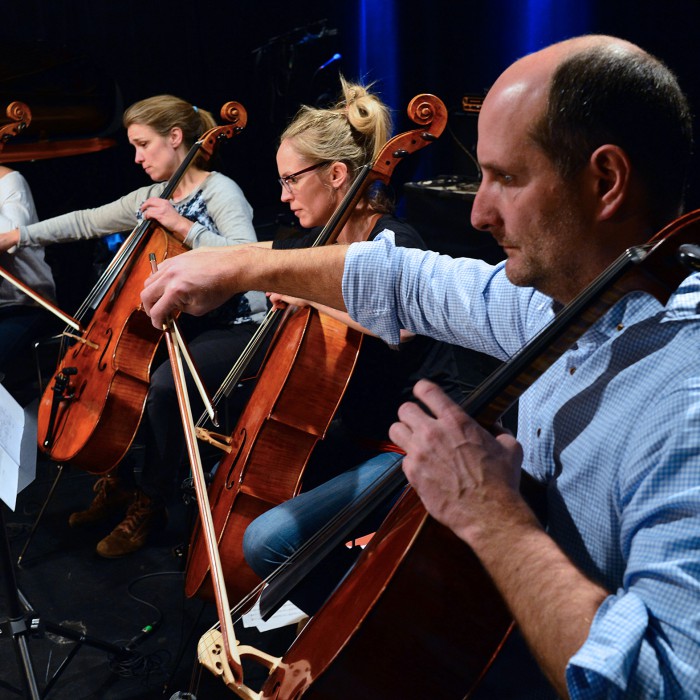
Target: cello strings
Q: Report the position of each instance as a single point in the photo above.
(236, 372)
(135, 237)
(328, 536)
(324, 237)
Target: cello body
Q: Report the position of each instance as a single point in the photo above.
(95, 419)
(418, 593)
(306, 372)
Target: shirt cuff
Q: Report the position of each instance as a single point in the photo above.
(611, 653)
(368, 287)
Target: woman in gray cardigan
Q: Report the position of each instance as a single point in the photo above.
(206, 209)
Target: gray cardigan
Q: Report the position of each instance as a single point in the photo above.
(221, 214)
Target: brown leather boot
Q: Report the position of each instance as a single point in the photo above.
(111, 498)
(142, 517)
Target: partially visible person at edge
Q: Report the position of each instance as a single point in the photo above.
(207, 208)
(585, 149)
(318, 158)
(22, 320)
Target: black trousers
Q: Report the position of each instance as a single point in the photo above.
(214, 351)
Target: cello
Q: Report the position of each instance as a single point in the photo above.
(90, 414)
(20, 118)
(457, 623)
(306, 372)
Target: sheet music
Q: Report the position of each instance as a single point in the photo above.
(17, 446)
(288, 614)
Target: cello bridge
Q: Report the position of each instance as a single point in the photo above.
(211, 654)
(84, 341)
(223, 442)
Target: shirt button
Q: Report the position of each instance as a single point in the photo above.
(539, 432)
(572, 370)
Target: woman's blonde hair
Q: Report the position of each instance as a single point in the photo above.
(164, 112)
(353, 131)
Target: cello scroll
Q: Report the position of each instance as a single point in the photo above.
(235, 114)
(21, 117)
(429, 112)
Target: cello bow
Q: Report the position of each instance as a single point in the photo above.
(224, 642)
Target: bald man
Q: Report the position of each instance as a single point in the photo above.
(584, 148)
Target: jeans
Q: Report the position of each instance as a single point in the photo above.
(275, 535)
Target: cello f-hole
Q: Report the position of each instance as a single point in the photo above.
(241, 444)
(101, 365)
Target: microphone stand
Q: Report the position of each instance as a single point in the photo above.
(16, 621)
(22, 621)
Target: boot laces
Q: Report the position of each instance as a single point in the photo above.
(138, 514)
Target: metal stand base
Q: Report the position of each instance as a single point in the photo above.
(22, 620)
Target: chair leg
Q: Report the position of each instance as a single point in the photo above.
(61, 468)
(54, 339)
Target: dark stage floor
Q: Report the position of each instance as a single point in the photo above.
(110, 601)
(68, 585)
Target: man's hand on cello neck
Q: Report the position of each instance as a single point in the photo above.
(201, 280)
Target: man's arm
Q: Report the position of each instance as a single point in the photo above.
(201, 280)
(468, 480)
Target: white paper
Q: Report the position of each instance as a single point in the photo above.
(288, 614)
(17, 447)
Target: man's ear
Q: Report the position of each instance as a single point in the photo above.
(612, 173)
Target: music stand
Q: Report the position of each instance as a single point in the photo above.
(22, 619)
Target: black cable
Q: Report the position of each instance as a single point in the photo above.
(196, 669)
(148, 629)
(135, 664)
(146, 665)
(130, 663)
(469, 154)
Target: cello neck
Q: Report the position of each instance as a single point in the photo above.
(656, 268)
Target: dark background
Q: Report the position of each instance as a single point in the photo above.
(79, 63)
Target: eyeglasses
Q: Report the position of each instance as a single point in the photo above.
(288, 181)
